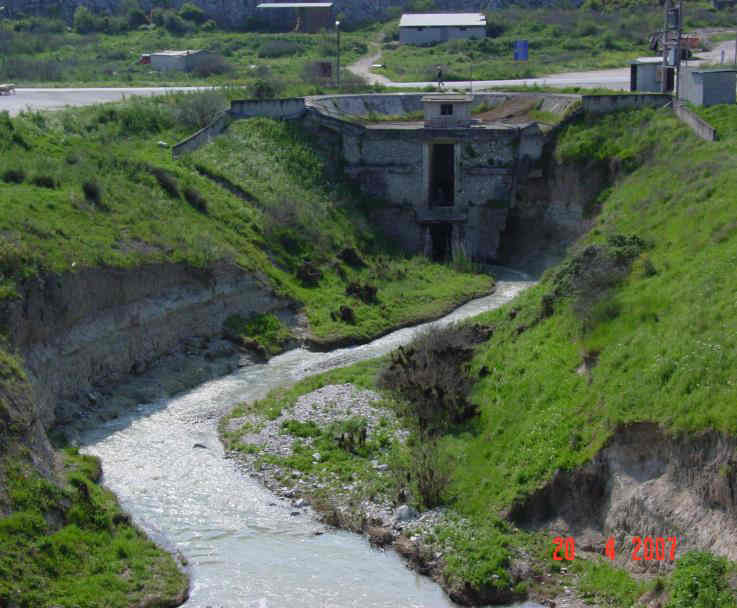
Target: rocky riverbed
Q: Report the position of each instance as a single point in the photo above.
(269, 449)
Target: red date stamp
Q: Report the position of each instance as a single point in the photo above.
(643, 549)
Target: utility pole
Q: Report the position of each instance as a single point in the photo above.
(671, 46)
(337, 67)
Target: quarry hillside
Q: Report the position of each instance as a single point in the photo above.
(234, 13)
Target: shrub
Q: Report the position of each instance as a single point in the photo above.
(143, 116)
(430, 472)
(14, 176)
(265, 89)
(167, 181)
(211, 65)
(136, 18)
(279, 48)
(174, 24)
(44, 181)
(192, 12)
(84, 21)
(431, 375)
(194, 198)
(92, 192)
(196, 110)
(699, 581)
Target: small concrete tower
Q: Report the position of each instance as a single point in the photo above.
(446, 111)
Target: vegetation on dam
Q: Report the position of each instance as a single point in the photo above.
(637, 325)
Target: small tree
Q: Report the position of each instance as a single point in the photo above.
(84, 21)
(192, 12)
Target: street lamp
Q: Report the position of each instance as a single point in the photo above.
(337, 71)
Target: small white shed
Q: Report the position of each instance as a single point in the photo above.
(183, 61)
(429, 28)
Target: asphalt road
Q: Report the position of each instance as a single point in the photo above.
(53, 99)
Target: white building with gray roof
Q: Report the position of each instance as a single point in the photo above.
(430, 28)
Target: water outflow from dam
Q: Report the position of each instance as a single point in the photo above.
(243, 545)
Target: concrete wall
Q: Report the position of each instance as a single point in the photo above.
(203, 136)
(601, 104)
(183, 63)
(698, 125)
(166, 63)
(690, 87)
(461, 115)
(429, 35)
(282, 109)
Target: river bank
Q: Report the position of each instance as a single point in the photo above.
(163, 459)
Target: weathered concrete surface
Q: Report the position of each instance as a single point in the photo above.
(697, 124)
(97, 325)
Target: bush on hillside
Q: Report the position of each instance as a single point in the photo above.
(92, 192)
(272, 49)
(84, 21)
(195, 198)
(174, 24)
(192, 12)
(212, 65)
(265, 88)
(196, 110)
(14, 176)
(590, 276)
(44, 181)
(167, 181)
(431, 375)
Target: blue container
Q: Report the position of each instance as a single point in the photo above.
(520, 50)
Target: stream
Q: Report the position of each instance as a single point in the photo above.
(243, 545)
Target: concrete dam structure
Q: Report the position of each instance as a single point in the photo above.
(449, 168)
(447, 174)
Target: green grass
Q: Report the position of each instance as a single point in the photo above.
(700, 580)
(266, 331)
(722, 117)
(607, 585)
(560, 40)
(91, 551)
(101, 59)
(304, 215)
(146, 213)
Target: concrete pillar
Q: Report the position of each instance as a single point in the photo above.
(427, 242)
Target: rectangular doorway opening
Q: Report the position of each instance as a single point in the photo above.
(442, 175)
(441, 234)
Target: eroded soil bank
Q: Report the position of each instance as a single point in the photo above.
(644, 482)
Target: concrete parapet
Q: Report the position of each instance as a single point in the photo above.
(283, 109)
(204, 135)
(698, 125)
(602, 104)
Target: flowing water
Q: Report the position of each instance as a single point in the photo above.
(243, 546)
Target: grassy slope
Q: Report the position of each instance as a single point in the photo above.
(72, 545)
(111, 59)
(66, 544)
(137, 221)
(665, 337)
(560, 41)
(665, 341)
(273, 163)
